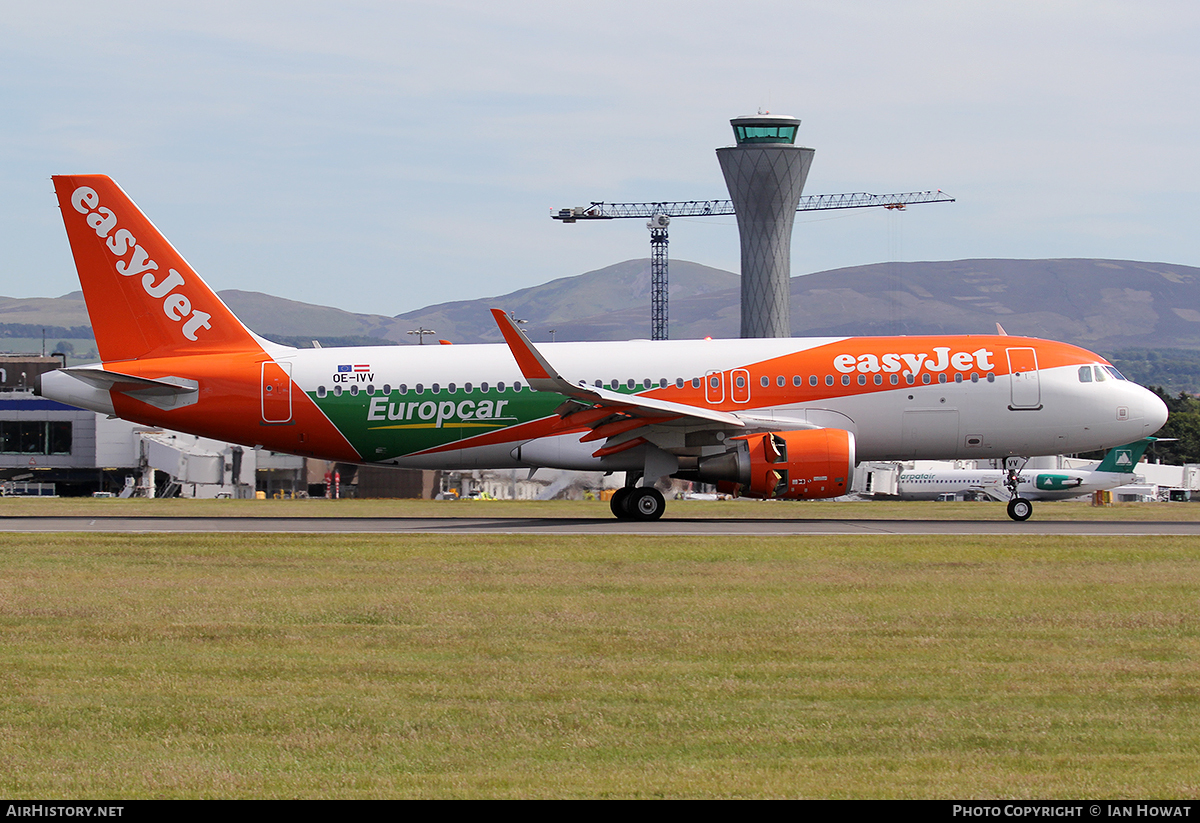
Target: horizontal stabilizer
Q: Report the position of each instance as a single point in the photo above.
(129, 384)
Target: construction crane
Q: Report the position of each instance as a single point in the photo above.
(659, 217)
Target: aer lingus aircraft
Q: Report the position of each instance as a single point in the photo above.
(770, 418)
(1116, 469)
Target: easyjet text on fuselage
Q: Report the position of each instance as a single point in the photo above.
(913, 363)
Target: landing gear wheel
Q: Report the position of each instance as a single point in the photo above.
(1019, 509)
(646, 504)
(617, 503)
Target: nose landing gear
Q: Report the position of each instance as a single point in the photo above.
(1019, 508)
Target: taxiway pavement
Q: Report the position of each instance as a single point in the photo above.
(588, 526)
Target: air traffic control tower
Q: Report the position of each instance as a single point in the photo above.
(765, 173)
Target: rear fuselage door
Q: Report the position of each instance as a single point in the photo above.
(276, 392)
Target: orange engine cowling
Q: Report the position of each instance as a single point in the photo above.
(798, 465)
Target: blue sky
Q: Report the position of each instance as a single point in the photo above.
(382, 156)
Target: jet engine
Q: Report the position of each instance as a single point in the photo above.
(791, 465)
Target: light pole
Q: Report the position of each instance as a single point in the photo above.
(421, 331)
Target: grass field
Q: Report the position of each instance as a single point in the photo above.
(500, 666)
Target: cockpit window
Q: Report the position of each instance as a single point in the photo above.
(1085, 374)
(1100, 378)
(1114, 373)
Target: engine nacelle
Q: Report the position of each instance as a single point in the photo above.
(792, 465)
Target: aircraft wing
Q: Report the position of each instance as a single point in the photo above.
(623, 420)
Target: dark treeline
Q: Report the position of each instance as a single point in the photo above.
(1175, 370)
(1183, 424)
(36, 330)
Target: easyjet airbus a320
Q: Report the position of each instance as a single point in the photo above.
(771, 418)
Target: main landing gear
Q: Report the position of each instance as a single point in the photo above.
(1019, 508)
(633, 503)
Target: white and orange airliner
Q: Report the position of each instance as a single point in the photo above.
(769, 418)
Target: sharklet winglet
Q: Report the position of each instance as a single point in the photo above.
(543, 377)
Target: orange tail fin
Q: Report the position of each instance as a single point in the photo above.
(143, 298)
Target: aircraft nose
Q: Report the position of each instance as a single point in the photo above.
(1154, 412)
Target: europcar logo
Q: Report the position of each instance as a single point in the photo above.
(175, 304)
(464, 413)
(939, 361)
